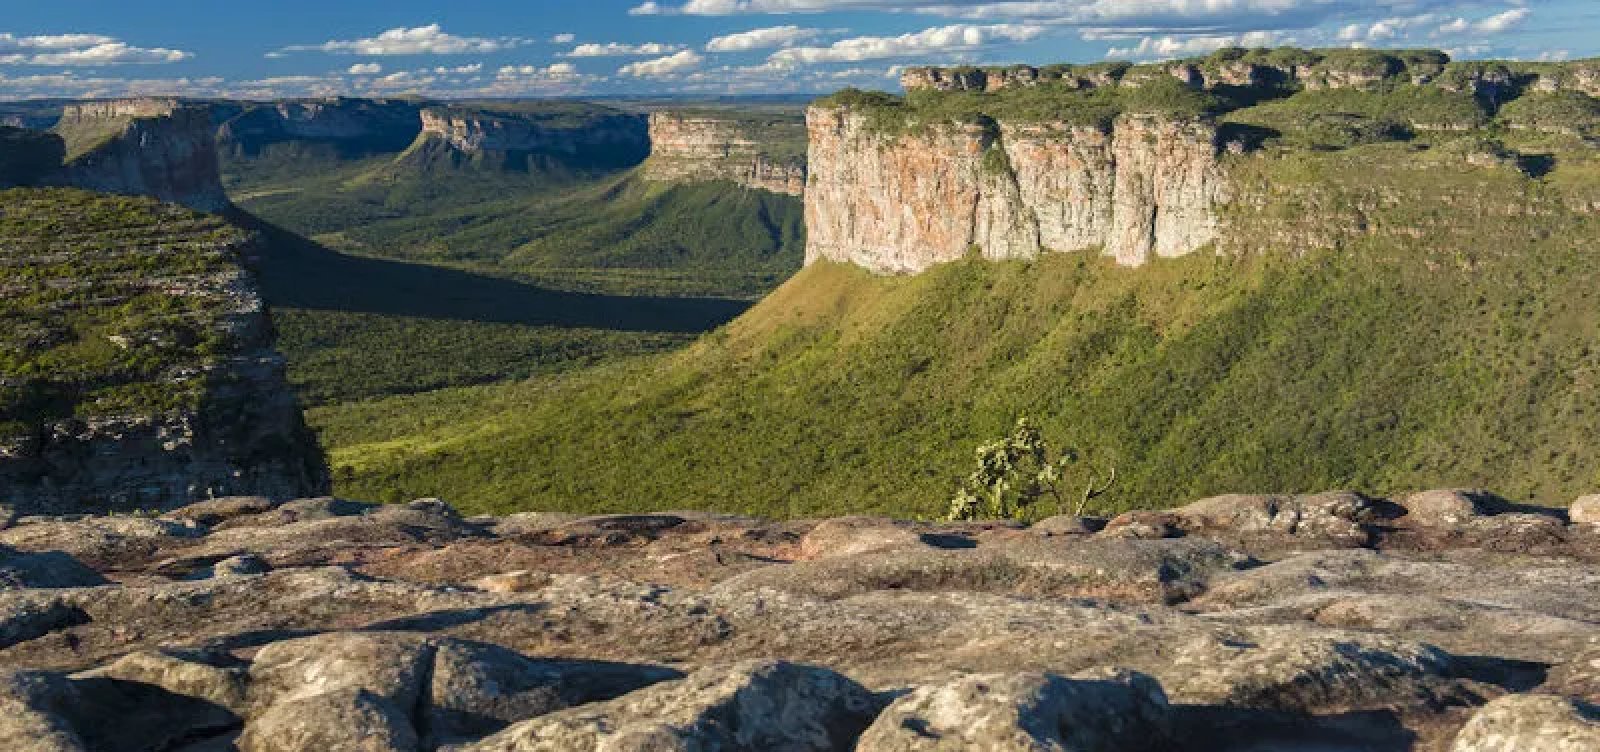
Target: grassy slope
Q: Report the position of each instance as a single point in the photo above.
(1448, 338)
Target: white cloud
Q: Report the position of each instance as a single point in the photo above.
(1502, 22)
(684, 61)
(422, 40)
(762, 39)
(81, 49)
(365, 69)
(1168, 47)
(615, 49)
(564, 39)
(938, 40)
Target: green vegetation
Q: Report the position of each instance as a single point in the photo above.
(1446, 335)
(1016, 474)
(1047, 102)
(1567, 111)
(355, 327)
(108, 305)
(82, 138)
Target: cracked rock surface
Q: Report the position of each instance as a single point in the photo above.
(1328, 622)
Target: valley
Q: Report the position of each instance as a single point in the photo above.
(1237, 402)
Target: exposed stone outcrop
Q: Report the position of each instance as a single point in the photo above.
(601, 139)
(145, 147)
(206, 411)
(693, 148)
(369, 633)
(353, 127)
(900, 202)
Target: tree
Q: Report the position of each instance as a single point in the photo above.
(1015, 473)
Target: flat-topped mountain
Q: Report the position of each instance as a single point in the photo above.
(144, 147)
(1135, 162)
(765, 152)
(348, 127)
(535, 137)
(136, 361)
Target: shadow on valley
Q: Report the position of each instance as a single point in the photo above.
(297, 272)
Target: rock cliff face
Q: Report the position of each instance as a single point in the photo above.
(145, 147)
(694, 148)
(612, 139)
(139, 364)
(1148, 186)
(355, 127)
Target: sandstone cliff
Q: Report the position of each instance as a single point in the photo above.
(138, 363)
(353, 127)
(146, 147)
(591, 138)
(903, 201)
(767, 154)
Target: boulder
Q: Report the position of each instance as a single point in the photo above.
(346, 720)
(1531, 723)
(1301, 670)
(1115, 711)
(744, 707)
(1579, 677)
(31, 713)
(1440, 508)
(1338, 516)
(27, 615)
(100, 541)
(1141, 525)
(848, 536)
(1585, 510)
(387, 665)
(212, 677)
(477, 689)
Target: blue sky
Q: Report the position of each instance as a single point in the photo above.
(694, 47)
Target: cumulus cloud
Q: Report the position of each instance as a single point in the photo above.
(365, 69)
(1498, 23)
(564, 39)
(762, 39)
(81, 49)
(1167, 47)
(615, 49)
(681, 62)
(422, 40)
(938, 40)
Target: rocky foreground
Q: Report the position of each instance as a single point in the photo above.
(1440, 621)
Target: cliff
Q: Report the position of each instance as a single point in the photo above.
(765, 153)
(353, 127)
(577, 137)
(137, 362)
(146, 147)
(1277, 68)
(901, 202)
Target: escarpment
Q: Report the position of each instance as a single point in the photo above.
(767, 153)
(136, 362)
(1145, 186)
(592, 138)
(352, 127)
(144, 147)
